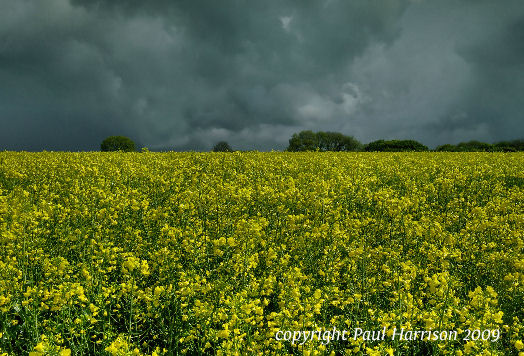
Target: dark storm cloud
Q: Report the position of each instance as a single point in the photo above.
(185, 74)
(454, 74)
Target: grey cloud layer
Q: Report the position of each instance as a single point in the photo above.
(183, 75)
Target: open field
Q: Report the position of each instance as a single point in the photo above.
(146, 253)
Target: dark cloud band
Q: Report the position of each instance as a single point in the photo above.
(185, 74)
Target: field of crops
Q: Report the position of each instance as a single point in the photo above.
(232, 253)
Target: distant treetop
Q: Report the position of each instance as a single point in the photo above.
(117, 143)
(395, 146)
(477, 146)
(322, 141)
(222, 146)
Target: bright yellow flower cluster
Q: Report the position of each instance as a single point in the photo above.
(152, 253)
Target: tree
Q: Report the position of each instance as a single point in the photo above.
(303, 141)
(335, 141)
(117, 143)
(470, 146)
(477, 146)
(446, 148)
(474, 146)
(509, 146)
(395, 146)
(222, 146)
(322, 141)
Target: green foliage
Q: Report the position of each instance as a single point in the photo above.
(474, 146)
(509, 146)
(446, 148)
(117, 143)
(477, 146)
(322, 141)
(395, 146)
(303, 141)
(335, 141)
(222, 146)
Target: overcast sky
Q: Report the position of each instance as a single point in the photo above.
(183, 75)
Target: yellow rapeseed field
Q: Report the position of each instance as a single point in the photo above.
(232, 253)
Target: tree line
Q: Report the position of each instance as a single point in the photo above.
(335, 141)
(477, 146)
